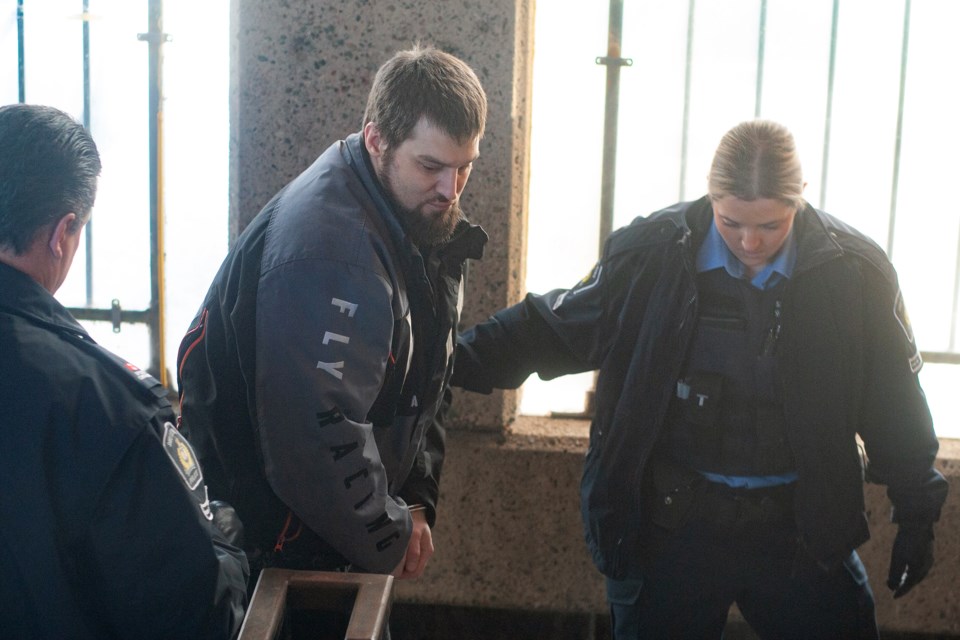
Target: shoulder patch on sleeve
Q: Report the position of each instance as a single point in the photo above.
(182, 456)
(915, 361)
(900, 311)
(589, 281)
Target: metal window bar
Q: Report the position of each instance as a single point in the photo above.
(828, 117)
(21, 78)
(608, 175)
(86, 124)
(950, 356)
(613, 61)
(761, 50)
(155, 38)
(117, 316)
(687, 77)
(897, 142)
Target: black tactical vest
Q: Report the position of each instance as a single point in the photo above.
(726, 416)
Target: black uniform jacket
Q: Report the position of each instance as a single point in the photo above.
(104, 521)
(846, 358)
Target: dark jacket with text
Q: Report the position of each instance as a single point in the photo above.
(314, 377)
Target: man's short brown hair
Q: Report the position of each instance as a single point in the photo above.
(426, 82)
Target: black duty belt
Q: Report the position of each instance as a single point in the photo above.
(682, 495)
(730, 506)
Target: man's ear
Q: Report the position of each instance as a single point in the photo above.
(376, 146)
(61, 231)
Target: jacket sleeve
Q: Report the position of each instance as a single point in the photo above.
(423, 485)
(324, 331)
(558, 333)
(153, 564)
(896, 425)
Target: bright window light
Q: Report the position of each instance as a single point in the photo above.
(862, 185)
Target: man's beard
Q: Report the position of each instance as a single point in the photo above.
(430, 231)
(425, 229)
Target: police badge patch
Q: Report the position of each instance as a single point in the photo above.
(181, 454)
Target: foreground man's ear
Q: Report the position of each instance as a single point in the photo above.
(59, 235)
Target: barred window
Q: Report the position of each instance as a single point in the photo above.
(99, 60)
(865, 88)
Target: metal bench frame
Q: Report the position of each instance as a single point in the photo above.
(367, 596)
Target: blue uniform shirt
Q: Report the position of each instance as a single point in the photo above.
(714, 254)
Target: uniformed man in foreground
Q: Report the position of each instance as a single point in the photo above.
(106, 530)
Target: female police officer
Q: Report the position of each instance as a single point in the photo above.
(743, 340)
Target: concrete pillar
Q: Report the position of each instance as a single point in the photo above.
(300, 73)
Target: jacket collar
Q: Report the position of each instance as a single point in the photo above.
(467, 242)
(23, 296)
(816, 244)
(359, 160)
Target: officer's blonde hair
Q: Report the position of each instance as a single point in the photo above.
(757, 159)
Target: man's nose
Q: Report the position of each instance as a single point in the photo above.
(447, 183)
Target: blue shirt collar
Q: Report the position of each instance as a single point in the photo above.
(714, 254)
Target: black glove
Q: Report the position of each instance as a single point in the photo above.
(228, 522)
(911, 558)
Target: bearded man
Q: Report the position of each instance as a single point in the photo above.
(314, 377)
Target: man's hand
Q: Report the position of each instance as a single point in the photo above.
(911, 558)
(419, 549)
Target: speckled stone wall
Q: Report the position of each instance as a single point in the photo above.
(301, 71)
